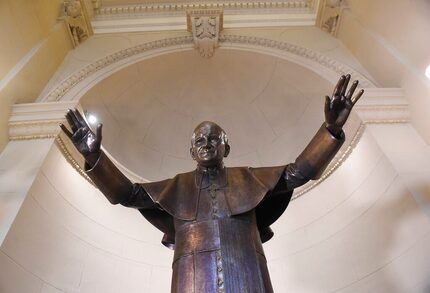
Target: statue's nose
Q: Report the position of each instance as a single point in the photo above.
(207, 144)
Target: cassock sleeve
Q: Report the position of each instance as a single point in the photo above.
(117, 188)
(312, 162)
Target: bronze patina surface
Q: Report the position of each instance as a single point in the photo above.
(216, 218)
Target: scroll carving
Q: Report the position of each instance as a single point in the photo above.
(330, 15)
(205, 25)
(76, 21)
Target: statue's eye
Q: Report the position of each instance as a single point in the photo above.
(214, 139)
(199, 141)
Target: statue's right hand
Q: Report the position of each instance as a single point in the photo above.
(85, 140)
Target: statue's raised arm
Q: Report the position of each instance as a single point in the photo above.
(311, 163)
(106, 176)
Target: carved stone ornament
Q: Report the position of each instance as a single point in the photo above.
(330, 15)
(76, 21)
(96, 5)
(205, 25)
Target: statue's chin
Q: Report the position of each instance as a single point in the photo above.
(211, 163)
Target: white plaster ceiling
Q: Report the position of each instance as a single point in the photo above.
(270, 108)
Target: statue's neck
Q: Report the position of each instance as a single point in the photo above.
(212, 169)
(206, 176)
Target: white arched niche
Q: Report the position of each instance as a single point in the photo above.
(269, 107)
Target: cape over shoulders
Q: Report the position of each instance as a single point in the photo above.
(247, 188)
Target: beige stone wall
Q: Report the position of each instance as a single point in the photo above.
(391, 40)
(23, 25)
(33, 45)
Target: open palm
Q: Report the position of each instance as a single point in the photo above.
(338, 107)
(85, 140)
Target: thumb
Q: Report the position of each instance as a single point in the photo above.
(327, 104)
(99, 132)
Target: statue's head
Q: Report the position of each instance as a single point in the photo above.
(209, 144)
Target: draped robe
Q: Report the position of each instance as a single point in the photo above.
(216, 220)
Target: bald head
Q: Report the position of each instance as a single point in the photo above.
(209, 144)
(209, 127)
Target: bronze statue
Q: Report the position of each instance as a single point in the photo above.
(216, 218)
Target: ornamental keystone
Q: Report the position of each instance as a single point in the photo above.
(205, 25)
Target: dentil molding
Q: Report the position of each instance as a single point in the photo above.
(184, 6)
(171, 15)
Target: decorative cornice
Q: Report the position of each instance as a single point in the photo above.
(37, 120)
(382, 106)
(136, 9)
(313, 60)
(33, 130)
(171, 16)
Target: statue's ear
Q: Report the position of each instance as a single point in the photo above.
(192, 154)
(227, 150)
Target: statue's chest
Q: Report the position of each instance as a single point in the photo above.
(212, 203)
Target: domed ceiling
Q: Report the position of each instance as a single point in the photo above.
(269, 107)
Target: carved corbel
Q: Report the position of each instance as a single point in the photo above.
(76, 20)
(205, 25)
(96, 5)
(330, 14)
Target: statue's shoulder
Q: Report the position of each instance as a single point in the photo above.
(168, 185)
(267, 176)
(183, 175)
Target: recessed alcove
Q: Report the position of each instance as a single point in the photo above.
(269, 107)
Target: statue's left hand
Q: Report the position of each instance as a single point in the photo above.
(339, 106)
(85, 140)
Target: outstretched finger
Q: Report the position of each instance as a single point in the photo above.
(66, 131)
(352, 90)
(72, 120)
(99, 132)
(80, 118)
(339, 85)
(327, 104)
(345, 84)
(357, 97)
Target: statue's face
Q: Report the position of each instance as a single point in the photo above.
(208, 145)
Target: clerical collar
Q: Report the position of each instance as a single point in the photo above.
(205, 177)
